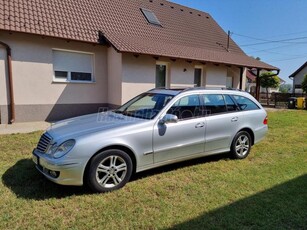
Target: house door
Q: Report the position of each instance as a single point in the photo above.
(197, 77)
(161, 76)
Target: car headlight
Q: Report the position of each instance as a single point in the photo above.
(59, 151)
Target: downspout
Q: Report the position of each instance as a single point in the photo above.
(11, 91)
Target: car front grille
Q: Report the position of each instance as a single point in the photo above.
(44, 142)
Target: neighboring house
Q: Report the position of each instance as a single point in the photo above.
(298, 77)
(72, 57)
(250, 85)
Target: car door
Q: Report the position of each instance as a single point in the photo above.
(184, 138)
(222, 122)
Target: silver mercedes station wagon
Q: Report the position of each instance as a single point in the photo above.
(158, 127)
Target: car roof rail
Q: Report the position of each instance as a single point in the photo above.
(174, 88)
(185, 89)
(211, 88)
(235, 89)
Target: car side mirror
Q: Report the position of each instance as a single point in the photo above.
(169, 118)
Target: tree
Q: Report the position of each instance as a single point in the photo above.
(257, 58)
(304, 84)
(285, 88)
(269, 80)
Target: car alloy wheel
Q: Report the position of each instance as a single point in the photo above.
(109, 170)
(241, 145)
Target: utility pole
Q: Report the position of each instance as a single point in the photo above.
(228, 40)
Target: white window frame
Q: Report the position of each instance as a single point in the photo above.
(167, 77)
(68, 79)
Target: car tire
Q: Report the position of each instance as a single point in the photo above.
(109, 170)
(241, 145)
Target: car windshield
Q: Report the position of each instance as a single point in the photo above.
(145, 106)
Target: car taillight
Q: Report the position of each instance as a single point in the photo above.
(265, 121)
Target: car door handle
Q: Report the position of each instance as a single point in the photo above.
(234, 119)
(199, 125)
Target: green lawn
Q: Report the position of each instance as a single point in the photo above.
(268, 190)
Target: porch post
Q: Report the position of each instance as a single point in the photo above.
(258, 85)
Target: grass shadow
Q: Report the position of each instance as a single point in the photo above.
(281, 207)
(26, 182)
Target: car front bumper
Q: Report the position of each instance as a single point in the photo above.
(64, 172)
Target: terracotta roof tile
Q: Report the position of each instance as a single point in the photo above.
(185, 33)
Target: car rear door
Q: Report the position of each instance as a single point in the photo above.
(222, 122)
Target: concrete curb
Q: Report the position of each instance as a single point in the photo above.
(26, 127)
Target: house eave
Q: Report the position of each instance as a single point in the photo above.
(202, 60)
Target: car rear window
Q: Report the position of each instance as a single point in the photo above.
(230, 104)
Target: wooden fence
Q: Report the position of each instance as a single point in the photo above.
(278, 100)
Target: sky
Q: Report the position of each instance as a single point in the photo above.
(273, 30)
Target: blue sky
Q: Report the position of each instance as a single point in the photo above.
(280, 26)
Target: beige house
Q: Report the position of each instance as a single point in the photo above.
(298, 77)
(66, 58)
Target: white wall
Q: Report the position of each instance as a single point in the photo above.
(114, 77)
(235, 73)
(298, 79)
(3, 77)
(216, 75)
(300, 76)
(33, 72)
(181, 73)
(138, 74)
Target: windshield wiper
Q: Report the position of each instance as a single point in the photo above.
(129, 114)
(118, 111)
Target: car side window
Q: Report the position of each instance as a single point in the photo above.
(245, 103)
(230, 104)
(214, 104)
(186, 107)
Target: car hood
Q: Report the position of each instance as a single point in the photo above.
(77, 126)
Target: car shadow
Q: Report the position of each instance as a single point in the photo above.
(175, 166)
(26, 182)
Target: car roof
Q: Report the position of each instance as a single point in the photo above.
(201, 90)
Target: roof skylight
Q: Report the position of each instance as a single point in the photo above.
(150, 17)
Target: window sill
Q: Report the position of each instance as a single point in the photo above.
(73, 82)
